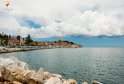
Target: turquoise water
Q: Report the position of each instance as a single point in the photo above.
(84, 64)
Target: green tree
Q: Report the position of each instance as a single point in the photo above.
(28, 39)
(0, 39)
(19, 38)
(4, 39)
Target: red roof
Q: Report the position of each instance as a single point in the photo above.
(13, 40)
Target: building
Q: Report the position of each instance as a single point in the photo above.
(13, 42)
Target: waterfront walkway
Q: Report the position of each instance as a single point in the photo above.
(8, 50)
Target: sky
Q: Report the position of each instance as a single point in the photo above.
(92, 23)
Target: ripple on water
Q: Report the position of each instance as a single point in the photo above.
(102, 64)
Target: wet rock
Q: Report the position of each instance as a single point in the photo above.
(53, 80)
(95, 82)
(70, 81)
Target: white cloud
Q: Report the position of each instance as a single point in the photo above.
(79, 17)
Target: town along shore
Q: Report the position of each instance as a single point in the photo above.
(15, 47)
(9, 43)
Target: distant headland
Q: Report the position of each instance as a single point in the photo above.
(10, 43)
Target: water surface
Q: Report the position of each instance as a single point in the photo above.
(83, 64)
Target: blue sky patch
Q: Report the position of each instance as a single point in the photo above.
(28, 22)
(32, 24)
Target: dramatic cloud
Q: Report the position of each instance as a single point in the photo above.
(51, 18)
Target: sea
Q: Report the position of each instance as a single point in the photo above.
(82, 64)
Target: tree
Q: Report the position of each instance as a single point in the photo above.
(3, 39)
(28, 39)
(19, 38)
(9, 36)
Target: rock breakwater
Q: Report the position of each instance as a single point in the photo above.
(13, 71)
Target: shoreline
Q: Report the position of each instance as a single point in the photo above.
(10, 50)
(14, 71)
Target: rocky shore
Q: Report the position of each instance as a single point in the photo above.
(9, 50)
(13, 71)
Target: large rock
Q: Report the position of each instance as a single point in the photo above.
(10, 62)
(53, 80)
(41, 71)
(23, 76)
(26, 76)
(5, 74)
(16, 82)
(57, 75)
(95, 82)
(70, 81)
(46, 75)
(15, 70)
(85, 83)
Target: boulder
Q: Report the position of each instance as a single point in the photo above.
(26, 76)
(95, 82)
(5, 74)
(70, 81)
(46, 75)
(85, 83)
(41, 71)
(53, 80)
(10, 62)
(21, 75)
(16, 82)
(57, 75)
